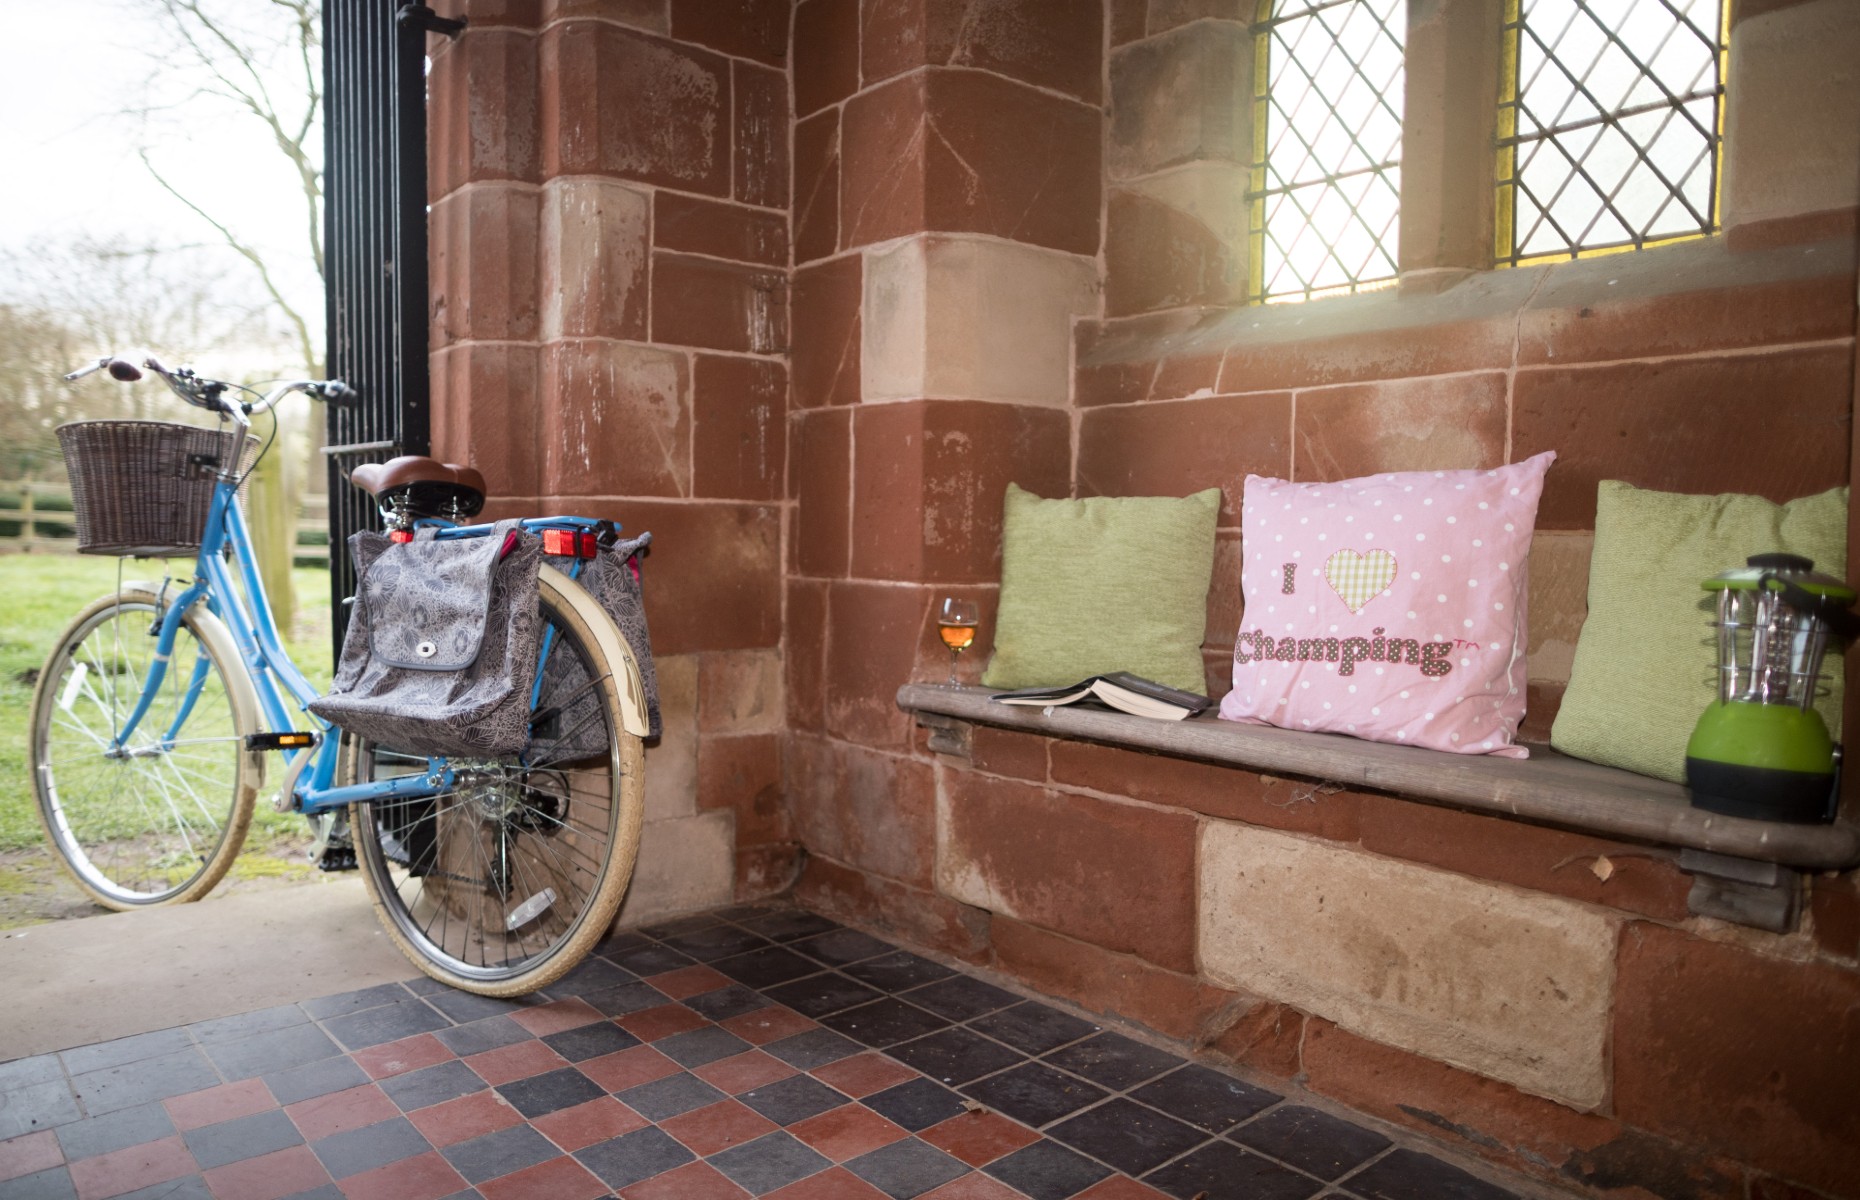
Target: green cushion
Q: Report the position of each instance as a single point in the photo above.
(1102, 584)
(1644, 662)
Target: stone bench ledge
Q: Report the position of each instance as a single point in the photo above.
(1547, 788)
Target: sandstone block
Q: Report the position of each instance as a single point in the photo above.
(1181, 97)
(616, 419)
(482, 264)
(1439, 424)
(686, 864)
(743, 774)
(1311, 357)
(755, 29)
(816, 215)
(1794, 113)
(1182, 446)
(872, 811)
(1559, 601)
(879, 635)
(740, 427)
(826, 53)
(825, 345)
(594, 245)
(971, 319)
(718, 305)
(653, 16)
(822, 482)
(483, 395)
(1177, 238)
(734, 231)
(888, 907)
(484, 113)
(763, 123)
(1053, 44)
(740, 692)
(804, 655)
(672, 765)
(1511, 986)
(1008, 752)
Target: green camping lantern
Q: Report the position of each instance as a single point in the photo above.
(1761, 750)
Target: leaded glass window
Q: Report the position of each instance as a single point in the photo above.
(1608, 124)
(1326, 182)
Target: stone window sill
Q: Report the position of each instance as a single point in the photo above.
(1548, 788)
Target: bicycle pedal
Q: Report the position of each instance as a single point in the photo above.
(284, 739)
(337, 858)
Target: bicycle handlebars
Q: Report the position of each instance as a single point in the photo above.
(211, 394)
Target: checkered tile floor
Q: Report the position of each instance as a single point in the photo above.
(753, 1052)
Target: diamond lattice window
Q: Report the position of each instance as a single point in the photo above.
(1609, 124)
(1326, 182)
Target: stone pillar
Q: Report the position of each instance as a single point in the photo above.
(1449, 118)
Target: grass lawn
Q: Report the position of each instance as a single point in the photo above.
(39, 594)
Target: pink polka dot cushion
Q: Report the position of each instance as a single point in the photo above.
(1390, 608)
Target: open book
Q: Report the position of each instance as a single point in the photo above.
(1120, 690)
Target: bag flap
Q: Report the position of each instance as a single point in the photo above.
(427, 600)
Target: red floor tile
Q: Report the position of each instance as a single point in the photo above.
(978, 1138)
(693, 1181)
(269, 1176)
(974, 1187)
(216, 1104)
(836, 1183)
(519, 1061)
(718, 1127)
(742, 1072)
(847, 1132)
(649, 1025)
(1120, 1187)
(30, 1154)
(397, 1058)
(863, 1074)
(628, 1068)
(585, 1124)
(341, 1111)
(557, 1179)
(689, 981)
(769, 1024)
(464, 1118)
(424, 1177)
(546, 1019)
(131, 1168)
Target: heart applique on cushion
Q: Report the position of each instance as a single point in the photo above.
(1359, 578)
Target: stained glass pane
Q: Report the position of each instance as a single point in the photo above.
(1327, 152)
(1611, 138)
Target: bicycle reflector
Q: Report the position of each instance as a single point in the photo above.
(570, 543)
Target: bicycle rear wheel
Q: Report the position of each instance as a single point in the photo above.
(160, 821)
(502, 884)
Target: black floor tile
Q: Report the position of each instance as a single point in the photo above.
(766, 967)
(135, 1083)
(955, 1056)
(665, 1098)
(53, 1184)
(277, 1050)
(790, 926)
(589, 1041)
(486, 1033)
(898, 971)
(960, 997)
(188, 1187)
(317, 1079)
(746, 912)
(126, 1127)
(916, 1104)
(464, 1006)
(772, 1161)
(432, 1085)
(1033, 1027)
(122, 1051)
(699, 1046)
(1311, 1140)
(721, 941)
(1047, 1171)
(681, 925)
(627, 998)
(388, 1023)
(1205, 1098)
(1035, 1094)
(1411, 1175)
(325, 1007)
(1128, 1136)
(726, 1002)
(841, 947)
(650, 959)
(1219, 1171)
(815, 1048)
(593, 975)
(550, 1092)
(423, 985)
(795, 1098)
(619, 943)
(1115, 1061)
(226, 1029)
(818, 995)
(35, 1106)
(495, 1155)
(242, 1138)
(907, 1168)
(884, 1022)
(364, 1149)
(631, 1157)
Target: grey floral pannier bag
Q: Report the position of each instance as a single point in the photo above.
(440, 654)
(612, 579)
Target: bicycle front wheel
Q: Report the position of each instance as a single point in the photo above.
(159, 820)
(502, 884)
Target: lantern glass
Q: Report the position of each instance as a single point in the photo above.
(1768, 652)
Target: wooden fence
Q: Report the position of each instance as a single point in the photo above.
(36, 518)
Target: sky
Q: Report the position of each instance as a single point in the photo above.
(71, 154)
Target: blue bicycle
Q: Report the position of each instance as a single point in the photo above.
(165, 706)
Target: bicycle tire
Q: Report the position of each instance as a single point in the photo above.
(451, 875)
(158, 825)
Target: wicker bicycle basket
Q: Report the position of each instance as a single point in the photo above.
(143, 488)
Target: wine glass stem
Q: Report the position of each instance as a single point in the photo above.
(954, 653)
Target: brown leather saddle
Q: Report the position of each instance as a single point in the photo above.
(424, 486)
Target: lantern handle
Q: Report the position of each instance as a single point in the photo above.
(1841, 621)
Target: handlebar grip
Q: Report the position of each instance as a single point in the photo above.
(335, 391)
(122, 370)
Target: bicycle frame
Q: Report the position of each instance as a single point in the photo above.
(283, 692)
